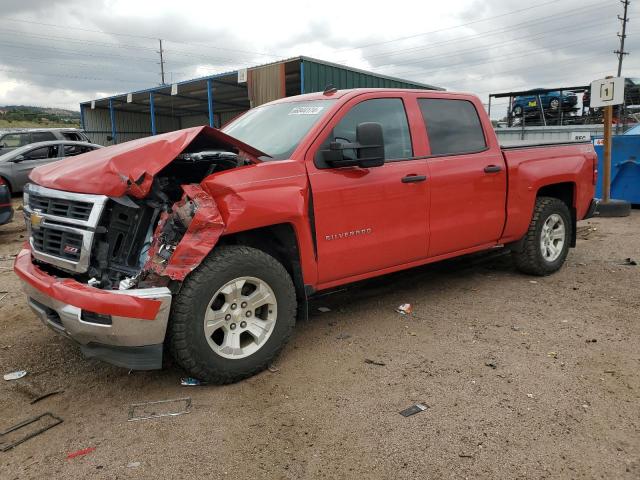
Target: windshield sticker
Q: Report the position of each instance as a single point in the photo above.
(305, 110)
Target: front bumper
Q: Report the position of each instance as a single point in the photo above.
(130, 325)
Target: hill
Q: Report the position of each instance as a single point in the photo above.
(21, 116)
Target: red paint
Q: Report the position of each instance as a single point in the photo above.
(202, 234)
(458, 210)
(128, 168)
(83, 296)
(80, 453)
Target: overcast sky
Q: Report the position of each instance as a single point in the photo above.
(60, 52)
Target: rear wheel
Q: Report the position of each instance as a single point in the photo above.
(554, 104)
(546, 244)
(232, 315)
(517, 110)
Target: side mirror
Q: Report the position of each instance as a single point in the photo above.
(18, 159)
(371, 152)
(369, 148)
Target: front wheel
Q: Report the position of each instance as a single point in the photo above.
(546, 244)
(232, 315)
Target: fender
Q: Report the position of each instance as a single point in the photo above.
(234, 201)
(528, 173)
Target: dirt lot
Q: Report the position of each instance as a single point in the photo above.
(524, 377)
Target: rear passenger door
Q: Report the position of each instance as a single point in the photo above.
(468, 180)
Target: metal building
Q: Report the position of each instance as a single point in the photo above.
(216, 99)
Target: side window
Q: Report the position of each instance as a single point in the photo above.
(390, 113)
(72, 136)
(37, 154)
(453, 126)
(13, 140)
(42, 137)
(72, 150)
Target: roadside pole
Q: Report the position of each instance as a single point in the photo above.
(606, 93)
(606, 167)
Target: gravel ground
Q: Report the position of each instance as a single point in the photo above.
(524, 378)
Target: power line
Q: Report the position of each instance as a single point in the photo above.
(69, 27)
(489, 48)
(570, 13)
(399, 39)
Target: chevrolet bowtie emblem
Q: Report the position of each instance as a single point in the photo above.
(36, 220)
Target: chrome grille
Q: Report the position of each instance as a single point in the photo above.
(60, 207)
(62, 225)
(61, 244)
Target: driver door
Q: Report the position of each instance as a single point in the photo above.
(21, 167)
(368, 219)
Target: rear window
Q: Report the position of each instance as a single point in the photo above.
(42, 137)
(453, 126)
(76, 137)
(13, 140)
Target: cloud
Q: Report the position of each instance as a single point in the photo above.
(548, 45)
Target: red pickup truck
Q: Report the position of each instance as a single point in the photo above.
(209, 242)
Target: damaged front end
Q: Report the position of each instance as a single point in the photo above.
(141, 228)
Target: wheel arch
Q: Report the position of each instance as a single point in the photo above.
(566, 193)
(281, 242)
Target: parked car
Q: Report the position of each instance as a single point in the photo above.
(550, 102)
(15, 139)
(6, 209)
(147, 242)
(16, 165)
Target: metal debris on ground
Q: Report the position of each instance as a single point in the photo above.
(630, 261)
(374, 362)
(324, 309)
(80, 453)
(405, 309)
(147, 410)
(491, 364)
(190, 382)
(273, 369)
(533, 281)
(552, 354)
(46, 395)
(464, 455)
(15, 375)
(53, 421)
(413, 409)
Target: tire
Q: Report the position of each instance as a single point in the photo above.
(554, 104)
(534, 258)
(517, 111)
(218, 356)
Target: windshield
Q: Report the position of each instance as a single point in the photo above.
(278, 129)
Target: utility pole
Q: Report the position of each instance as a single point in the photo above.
(621, 53)
(161, 52)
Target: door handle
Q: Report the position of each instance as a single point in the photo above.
(414, 178)
(492, 169)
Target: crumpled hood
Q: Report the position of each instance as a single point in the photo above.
(129, 168)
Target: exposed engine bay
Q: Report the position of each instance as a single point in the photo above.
(136, 237)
